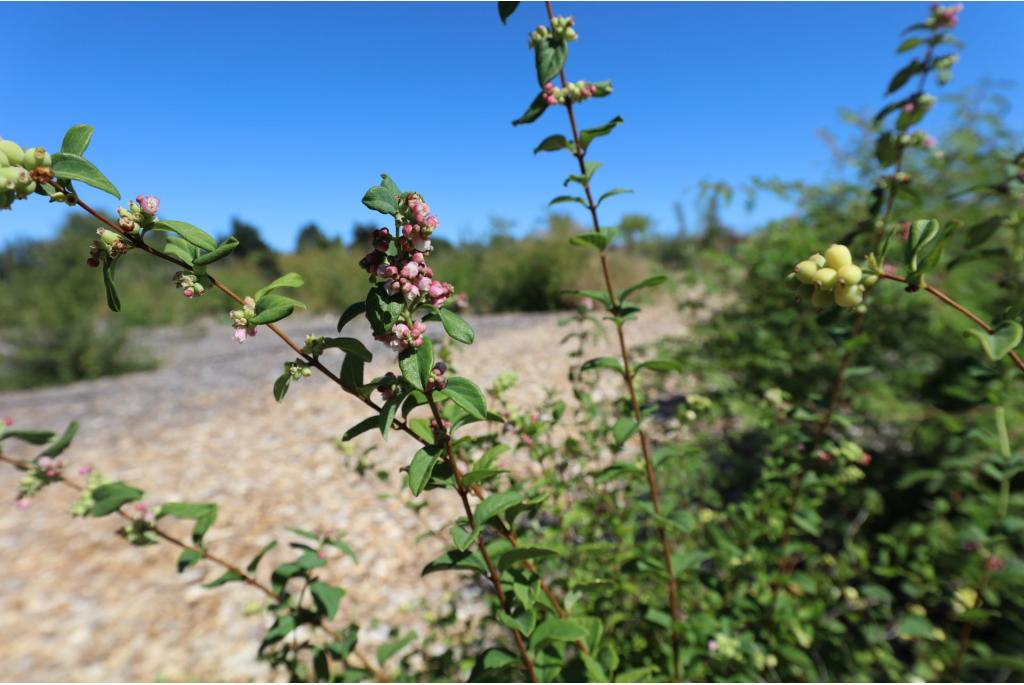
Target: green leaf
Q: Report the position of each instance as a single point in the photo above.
(282, 626)
(227, 577)
(553, 143)
(350, 346)
(611, 193)
(599, 295)
(109, 498)
(289, 280)
(519, 554)
(505, 10)
(532, 112)
(599, 240)
(557, 629)
(625, 428)
(351, 312)
(602, 363)
(188, 557)
(251, 568)
(73, 167)
(352, 374)
(456, 560)
(481, 475)
(193, 235)
(982, 231)
(421, 467)
(327, 597)
(590, 168)
(382, 198)
(181, 249)
(587, 135)
(915, 626)
(31, 437)
(113, 301)
(569, 198)
(524, 622)
(389, 649)
(369, 423)
(909, 44)
(456, 327)
(1001, 341)
(903, 75)
(222, 251)
(387, 415)
(203, 513)
(271, 308)
(550, 54)
(409, 363)
(76, 140)
(651, 282)
(661, 365)
(495, 505)
(467, 395)
(60, 444)
(281, 385)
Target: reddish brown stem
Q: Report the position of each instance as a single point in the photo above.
(627, 373)
(946, 299)
(492, 570)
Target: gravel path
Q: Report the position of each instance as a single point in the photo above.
(78, 603)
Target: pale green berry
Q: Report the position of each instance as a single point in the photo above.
(837, 256)
(4, 162)
(871, 280)
(817, 258)
(13, 152)
(825, 278)
(36, 157)
(14, 177)
(848, 275)
(821, 299)
(805, 271)
(849, 297)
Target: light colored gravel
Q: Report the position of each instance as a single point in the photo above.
(77, 603)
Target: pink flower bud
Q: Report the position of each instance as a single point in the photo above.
(23, 503)
(418, 329)
(410, 291)
(188, 292)
(8, 421)
(712, 646)
(866, 459)
(418, 258)
(410, 270)
(85, 470)
(148, 204)
(239, 335)
(908, 107)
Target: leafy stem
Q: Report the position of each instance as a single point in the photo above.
(580, 152)
(492, 570)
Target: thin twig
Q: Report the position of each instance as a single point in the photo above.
(627, 373)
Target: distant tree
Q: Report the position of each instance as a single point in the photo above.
(362, 234)
(633, 227)
(250, 244)
(312, 238)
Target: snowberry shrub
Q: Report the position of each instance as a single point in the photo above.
(622, 553)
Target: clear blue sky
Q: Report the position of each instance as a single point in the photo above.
(283, 114)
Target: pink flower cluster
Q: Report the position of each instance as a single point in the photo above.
(398, 263)
(240, 320)
(50, 466)
(403, 336)
(574, 92)
(946, 16)
(145, 513)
